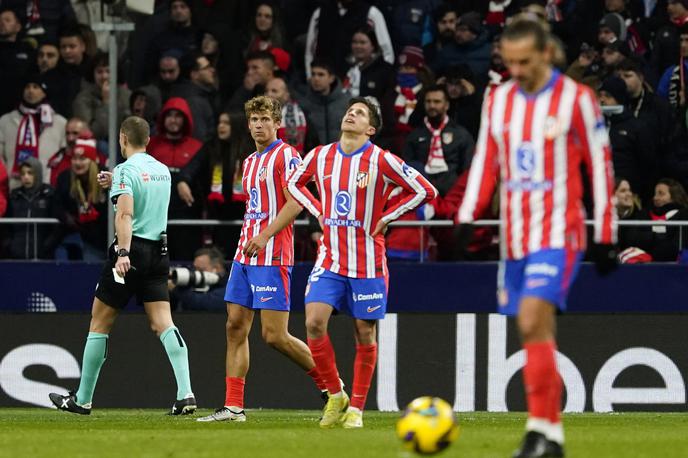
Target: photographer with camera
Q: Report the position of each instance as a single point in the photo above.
(203, 286)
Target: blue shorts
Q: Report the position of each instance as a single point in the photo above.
(362, 298)
(546, 274)
(259, 287)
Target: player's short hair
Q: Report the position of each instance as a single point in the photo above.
(263, 103)
(373, 111)
(213, 253)
(136, 130)
(438, 88)
(525, 27)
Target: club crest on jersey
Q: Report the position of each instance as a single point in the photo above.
(362, 179)
(525, 159)
(342, 203)
(263, 173)
(447, 137)
(553, 128)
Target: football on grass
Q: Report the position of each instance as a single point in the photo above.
(427, 426)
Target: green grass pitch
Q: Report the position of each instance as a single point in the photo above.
(37, 433)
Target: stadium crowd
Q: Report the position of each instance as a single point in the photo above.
(189, 68)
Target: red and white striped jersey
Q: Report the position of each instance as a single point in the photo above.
(537, 144)
(264, 180)
(353, 191)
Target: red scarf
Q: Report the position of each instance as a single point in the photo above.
(29, 132)
(436, 162)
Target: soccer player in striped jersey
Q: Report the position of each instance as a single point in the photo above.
(354, 179)
(260, 281)
(536, 132)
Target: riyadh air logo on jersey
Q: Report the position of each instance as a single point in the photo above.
(263, 173)
(293, 164)
(525, 159)
(342, 203)
(362, 179)
(253, 201)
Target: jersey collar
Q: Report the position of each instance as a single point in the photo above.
(270, 147)
(550, 84)
(358, 151)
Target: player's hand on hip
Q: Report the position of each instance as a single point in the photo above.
(185, 193)
(122, 266)
(380, 228)
(105, 179)
(321, 221)
(255, 245)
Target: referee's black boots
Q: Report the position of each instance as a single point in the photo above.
(536, 445)
(185, 406)
(68, 403)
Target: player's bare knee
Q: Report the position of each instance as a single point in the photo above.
(316, 326)
(236, 330)
(275, 338)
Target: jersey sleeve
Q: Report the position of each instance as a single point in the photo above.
(591, 131)
(289, 161)
(483, 171)
(122, 181)
(416, 189)
(299, 178)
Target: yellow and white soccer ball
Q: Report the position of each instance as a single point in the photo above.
(427, 426)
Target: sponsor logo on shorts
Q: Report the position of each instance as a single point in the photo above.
(372, 309)
(265, 289)
(532, 283)
(542, 268)
(367, 297)
(265, 299)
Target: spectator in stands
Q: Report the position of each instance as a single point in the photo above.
(140, 106)
(651, 110)
(444, 22)
(612, 28)
(260, 68)
(210, 297)
(412, 76)
(174, 146)
(498, 73)
(636, 34)
(90, 12)
(35, 199)
(47, 57)
(471, 46)
(295, 128)
(371, 76)
(633, 151)
(465, 98)
(670, 203)
(203, 100)
(62, 160)
(43, 19)
(440, 148)
(409, 21)
(180, 34)
(213, 177)
(666, 44)
(169, 83)
(33, 120)
(82, 206)
(628, 208)
(92, 102)
(333, 25)
(4, 189)
(16, 60)
(324, 102)
(265, 31)
(672, 85)
(72, 70)
(592, 68)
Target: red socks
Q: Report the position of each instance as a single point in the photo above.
(323, 355)
(315, 375)
(364, 366)
(234, 395)
(542, 381)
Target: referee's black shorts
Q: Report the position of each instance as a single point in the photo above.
(148, 282)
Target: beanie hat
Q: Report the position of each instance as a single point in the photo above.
(38, 80)
(615, 87)
(412, 56)
(472, 21)
(619, 46)
(616, 23)
(86, 147)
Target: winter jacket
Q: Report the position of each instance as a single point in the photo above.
(64, 83)
(176, 154)
(17, 60)
(203, 105)
(457, 145)
(89, 106)
(52, 138)
(325, 112)
(475, 54)
(35, 202)
(633, 152)
(664, 246)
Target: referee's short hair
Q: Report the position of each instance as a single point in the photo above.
(136, 130)
(524, 26)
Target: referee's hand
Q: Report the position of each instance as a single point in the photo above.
(255, 245)
(105, 179)
(122, 265)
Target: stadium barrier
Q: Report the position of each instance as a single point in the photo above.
(608, 362)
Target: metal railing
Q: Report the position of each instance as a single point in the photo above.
(304, 222)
